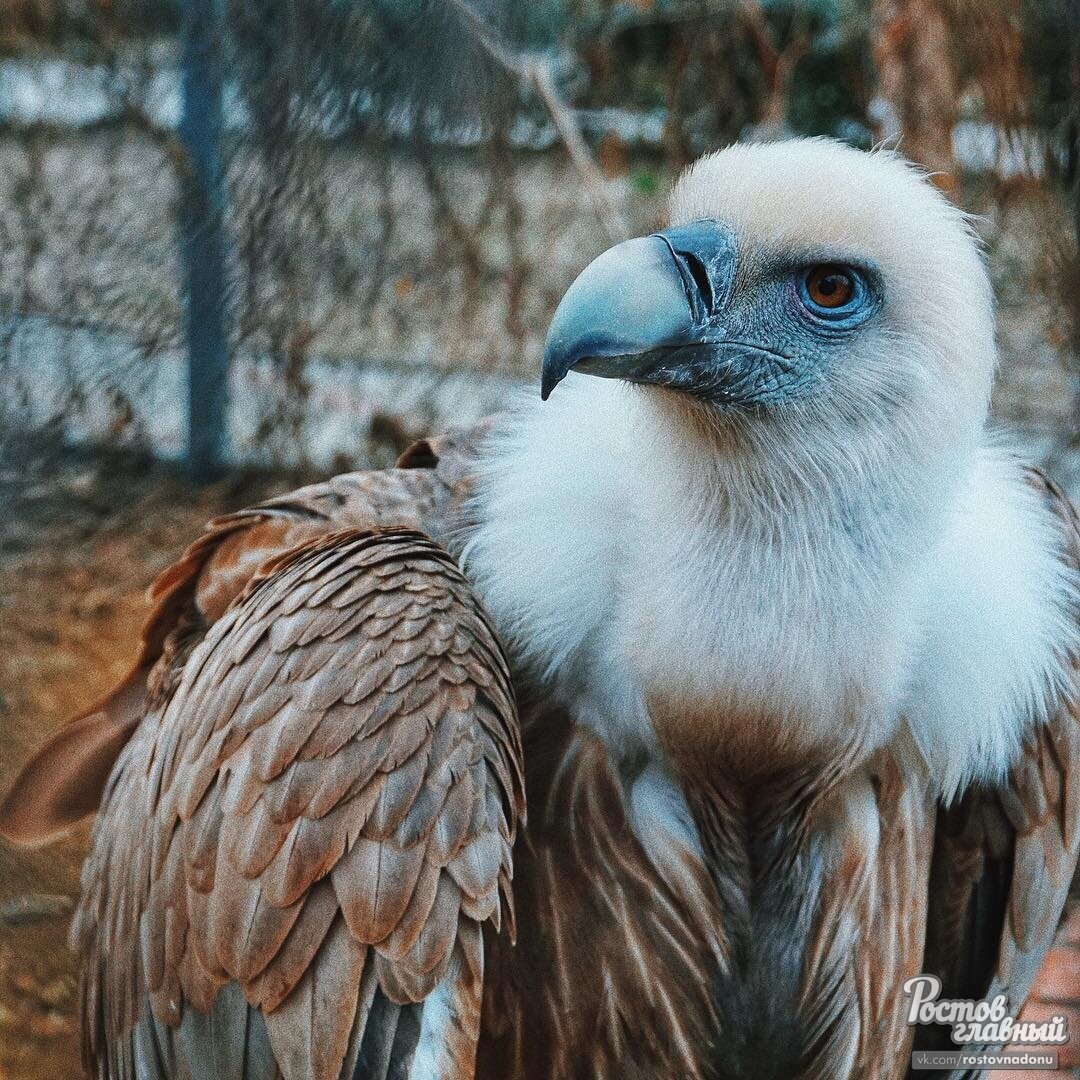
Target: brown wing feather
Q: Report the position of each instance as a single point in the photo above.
(333, 789)
(64, 780)
(1005, 856)
(884, 924)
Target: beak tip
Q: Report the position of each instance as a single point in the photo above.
(552, 373)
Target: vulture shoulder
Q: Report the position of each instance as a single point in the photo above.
(64, 780)
(1005, 855)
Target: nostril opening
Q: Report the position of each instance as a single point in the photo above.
(700, 275)
(705, 253)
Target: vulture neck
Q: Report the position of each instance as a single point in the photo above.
(765, 599)
(769, 599)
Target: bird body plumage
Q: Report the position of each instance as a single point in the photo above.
(789, 691)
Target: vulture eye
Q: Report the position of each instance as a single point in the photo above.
(831, 291)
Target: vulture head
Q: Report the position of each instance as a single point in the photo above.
(804, 291)
(761, 479)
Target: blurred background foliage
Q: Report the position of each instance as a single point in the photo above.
(410, 184)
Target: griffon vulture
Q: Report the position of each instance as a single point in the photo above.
(792, 645)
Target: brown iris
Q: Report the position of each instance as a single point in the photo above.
(830, 286)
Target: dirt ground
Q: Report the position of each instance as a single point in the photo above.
(80, 539)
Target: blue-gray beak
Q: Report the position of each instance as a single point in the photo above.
(641, 311)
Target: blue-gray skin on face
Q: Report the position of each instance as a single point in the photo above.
(675, 309)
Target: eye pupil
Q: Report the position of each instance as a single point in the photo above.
(829, 286)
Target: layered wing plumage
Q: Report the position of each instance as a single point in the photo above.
(322, 814)
(153, 890)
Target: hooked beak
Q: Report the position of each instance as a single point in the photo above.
(643, 309)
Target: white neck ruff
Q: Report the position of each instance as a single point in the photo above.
(621, 561)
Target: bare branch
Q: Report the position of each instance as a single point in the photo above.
(489, 38)
(535, 73)
(597, 187)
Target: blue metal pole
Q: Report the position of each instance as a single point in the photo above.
(203, 240)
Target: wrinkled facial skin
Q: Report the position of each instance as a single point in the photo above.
(689, 310)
